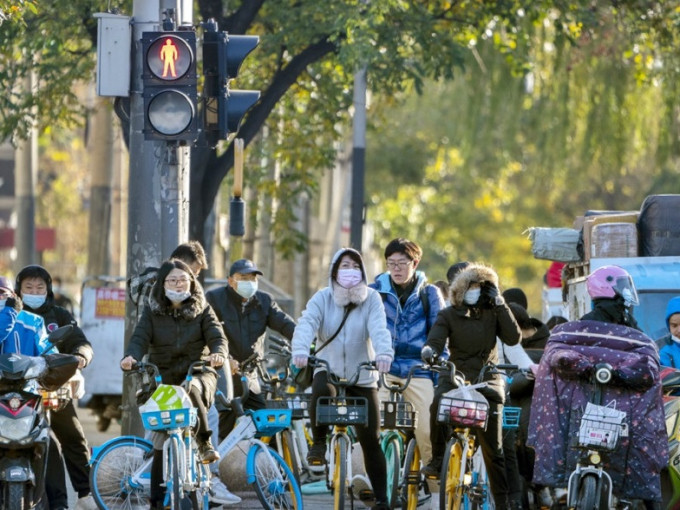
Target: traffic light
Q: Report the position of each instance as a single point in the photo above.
(222, 58)
(169, 80)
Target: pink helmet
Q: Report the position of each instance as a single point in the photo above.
(612, 281)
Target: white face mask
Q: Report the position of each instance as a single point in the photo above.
(2, 303)
(675, 339)
(177, 297)
(246, 288)
(34, 300)
(471, 296)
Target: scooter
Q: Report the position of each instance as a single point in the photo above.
(24, 429)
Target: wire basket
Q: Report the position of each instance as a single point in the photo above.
(462, 412)
(398, 415)
(270, 421)
(600, 432)
(169, 419)
(511, 417)
(56, 400)
(342, 411)
(297, 402)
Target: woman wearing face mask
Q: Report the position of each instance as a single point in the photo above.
(177, 328)
(363, 337)
(469, 327)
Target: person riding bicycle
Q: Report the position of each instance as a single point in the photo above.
(607, 334)
(469, 327)
(363, 337)
(176, 329)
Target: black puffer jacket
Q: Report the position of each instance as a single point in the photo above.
(470, 331)
(245, 326)
(613, 311)
(176, 338)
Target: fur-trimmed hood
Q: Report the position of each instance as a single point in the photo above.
(188, 310)
(474, 273)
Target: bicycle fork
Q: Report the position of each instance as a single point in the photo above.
(348, 460)
(577, 484)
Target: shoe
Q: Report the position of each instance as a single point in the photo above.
(220, 494)
(545, 498)
(559, 494)
(317, 454)
(433, 469)
(361, 487)
(86, 503)
(381, 505)
(207, 452)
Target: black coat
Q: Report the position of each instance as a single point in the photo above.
(611, 310)
(245, 326)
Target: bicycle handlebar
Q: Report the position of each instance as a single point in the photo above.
(396, 386)
(334, 379)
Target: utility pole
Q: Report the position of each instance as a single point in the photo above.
(358, 160)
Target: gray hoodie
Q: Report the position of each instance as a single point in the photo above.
(363, 336)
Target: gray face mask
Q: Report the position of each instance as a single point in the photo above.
(471, 296)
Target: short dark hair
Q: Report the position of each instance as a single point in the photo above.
(454, 269)
(192, 253)
(555, 320)
(401, 245)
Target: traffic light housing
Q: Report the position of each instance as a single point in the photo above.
(223, 55)
(169, 81)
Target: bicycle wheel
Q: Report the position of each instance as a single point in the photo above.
(451, 483)
(587, 493)
(286, 445)
(272, 479)
(392, 454)
(411, 479)
(340, 472)
(200, 496)
(120, 474)
(173, 490)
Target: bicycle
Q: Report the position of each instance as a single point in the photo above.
(462, 484)
(399, 420)
(341, 412)
(123, 464)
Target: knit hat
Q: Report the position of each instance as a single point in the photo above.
(521, 315)
(516, 295)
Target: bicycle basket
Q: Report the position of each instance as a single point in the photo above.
(56, 400)
(270, 421)
(169, 419)
(461, 412)
(342, 411)
(511, 417)
(398, 415)
(296, 402)
(601, 427)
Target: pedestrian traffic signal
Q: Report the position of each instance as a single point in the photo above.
(169, 81)
(223, 55)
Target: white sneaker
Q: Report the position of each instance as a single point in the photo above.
(220, 494)
(361, 487)
(545, 498)
(86, 503)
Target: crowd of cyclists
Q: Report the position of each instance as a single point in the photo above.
(398, 321)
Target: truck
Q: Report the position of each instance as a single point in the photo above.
(646, 243)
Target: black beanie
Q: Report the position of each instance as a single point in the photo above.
(516, 295)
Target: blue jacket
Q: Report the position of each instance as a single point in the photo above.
(22, 332)
(669, 351)
(408, 325)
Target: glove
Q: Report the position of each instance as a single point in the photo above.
(428, 355)
(383, 363)
(10, 302)
(490, 292)
(300, 360)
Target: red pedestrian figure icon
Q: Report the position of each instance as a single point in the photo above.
(168, 57)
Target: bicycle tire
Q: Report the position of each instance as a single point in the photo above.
(272, 479)
(200, 496)
(340, 472)
(451, 486)
(286, 444)
(173, 490)
(392, 452)
(411, 479)
(587, 493)
(111, 474)
(14, 495)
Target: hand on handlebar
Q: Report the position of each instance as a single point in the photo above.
(428, 355)
(300, 360)
(127, 362)
(216, 359)
(383, 363)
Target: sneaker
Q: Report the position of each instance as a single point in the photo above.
(220, 494)
(361, 487)
(86, 503)
(317, 454)
(559, 494)
(433, 469)
(545, 499)
(207, 452)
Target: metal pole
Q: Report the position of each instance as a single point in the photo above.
(358, 160)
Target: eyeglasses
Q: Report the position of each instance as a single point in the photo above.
(398, 265)
(175, 281)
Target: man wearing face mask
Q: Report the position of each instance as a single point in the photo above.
(246, 313)
(34, 287)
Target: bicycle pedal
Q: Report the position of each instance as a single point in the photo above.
(365, 495)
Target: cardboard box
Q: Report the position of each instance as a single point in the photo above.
(591, 221)
(614, 240)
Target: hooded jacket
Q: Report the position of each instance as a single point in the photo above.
(363, 336)
(55, 316)
(470, 331)
(611, 310)
(408, 325)
(669, 350)
(22, 332)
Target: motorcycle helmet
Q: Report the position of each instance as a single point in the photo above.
(612, 281)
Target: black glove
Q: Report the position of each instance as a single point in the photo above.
(11, 302)
(491, 295)
(428, 355)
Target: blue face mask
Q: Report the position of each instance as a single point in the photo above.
(34, 300)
